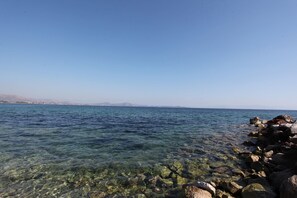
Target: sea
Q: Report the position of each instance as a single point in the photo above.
(96, 151)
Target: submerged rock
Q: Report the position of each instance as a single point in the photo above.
(165, 172)
(177, 167)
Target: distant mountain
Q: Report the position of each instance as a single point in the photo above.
(124, 104)
(14, 99)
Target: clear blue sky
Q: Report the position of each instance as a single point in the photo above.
(199, 53)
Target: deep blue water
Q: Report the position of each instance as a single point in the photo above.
(43, 147)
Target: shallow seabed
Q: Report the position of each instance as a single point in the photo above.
(83, 151)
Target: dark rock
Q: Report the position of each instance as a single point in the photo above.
(238, 172)
(278, 158)
(257, 166)
(281, 119)
(268, 154)
(261, 180)
(257, 190)
(195, 192)
(255, 120)
(293, 139)
(259, 125)
(222, 194)
(252, 158)
(248, 143)
(277, 178)
(231, 187)
(258, 151)
(253, 134)
(288, 188)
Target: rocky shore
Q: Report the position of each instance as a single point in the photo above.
(271, 164)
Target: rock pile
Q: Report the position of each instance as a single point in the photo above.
(277, 145)
(271, 168)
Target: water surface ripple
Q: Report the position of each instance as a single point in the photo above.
(85, 151)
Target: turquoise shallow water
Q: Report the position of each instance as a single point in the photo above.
(84, 151)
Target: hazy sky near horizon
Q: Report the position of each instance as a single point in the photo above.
(195, 53)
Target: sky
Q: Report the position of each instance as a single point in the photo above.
(193, 53)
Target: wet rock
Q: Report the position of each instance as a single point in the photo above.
(181, 180)
(157, 190)
(222, 194)
(238, 172)
(236, 150)
(195, 169)
(140, 196)
(221, 169)
(152, 180)
(255, 120)
(258, 151)
(97, 194)
(165, 172)
(177, 167)
(288, 188)
(273, 147)
(231, 187)
(260, 180)
(195, 192)
(261, 174)
(252, 158)
(293, 139)
(166, 182)
(257, 190)
(253, 134)
(248, 143)
(268, 154)
(257, 166)
(278, 158)
(264, 121)
(281, 119)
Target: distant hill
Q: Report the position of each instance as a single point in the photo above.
(15, 99)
